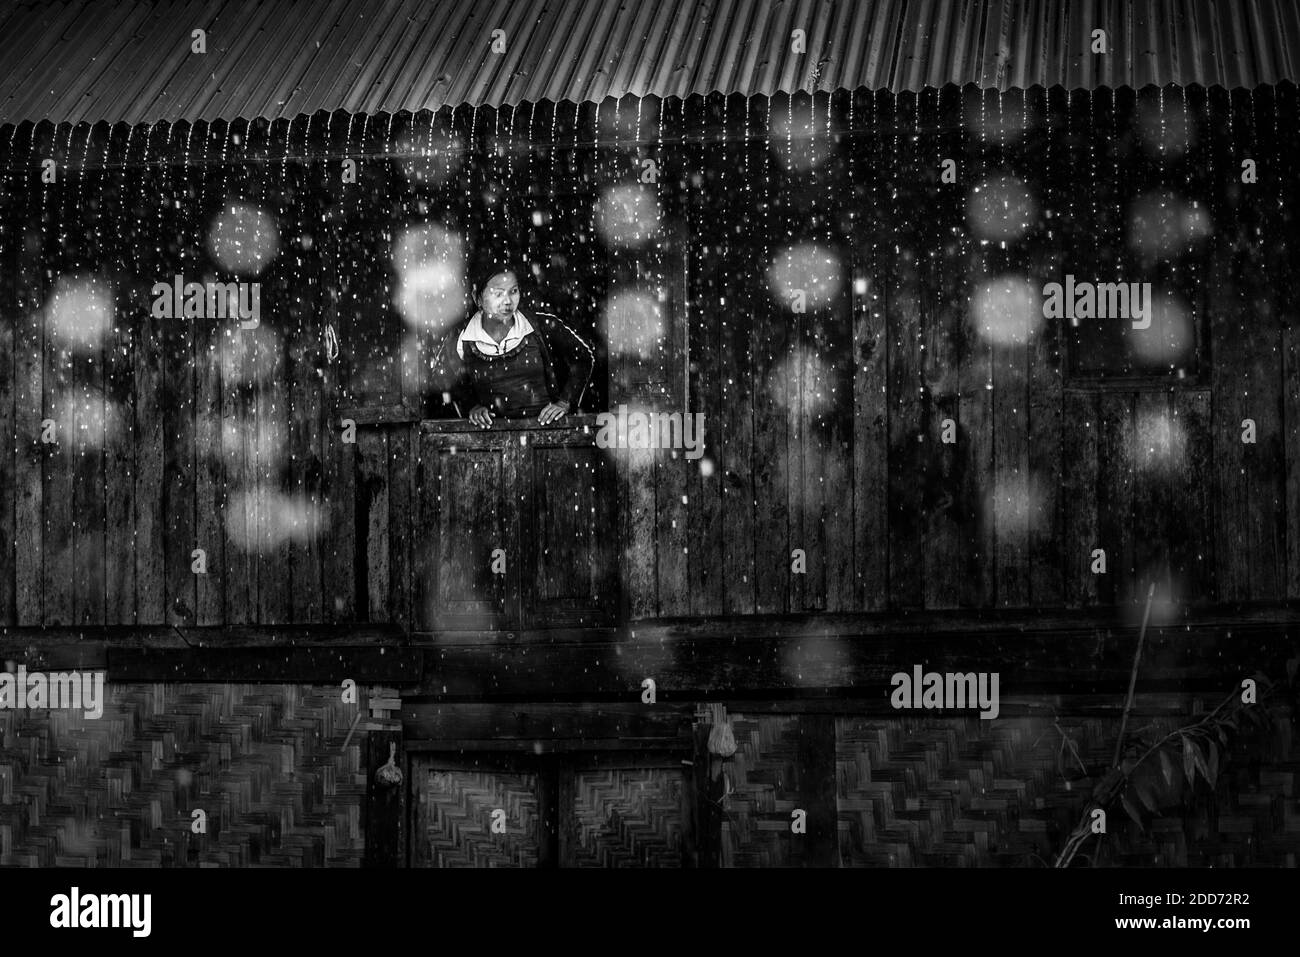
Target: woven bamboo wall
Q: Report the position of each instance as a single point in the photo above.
(628, 818)
(265, 762)
(953, 792)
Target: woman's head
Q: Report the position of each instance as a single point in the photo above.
(497, 292)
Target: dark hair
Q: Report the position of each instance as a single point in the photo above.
(493, 268)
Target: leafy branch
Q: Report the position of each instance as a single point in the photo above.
(1199, 748)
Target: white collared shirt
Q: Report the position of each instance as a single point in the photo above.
(475, 333)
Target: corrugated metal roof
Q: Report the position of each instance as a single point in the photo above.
(92, 60)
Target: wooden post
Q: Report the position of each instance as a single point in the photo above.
(385, 803)
(708, 815)
(815, 759)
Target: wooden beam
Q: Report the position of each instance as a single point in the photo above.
(687, 668)
(853, 656)
(365, 665)
(667, 725)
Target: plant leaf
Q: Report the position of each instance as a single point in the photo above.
(1189, 763)
(1167, 769)
(1143, 789)
(1201, 766)
(1132, 811)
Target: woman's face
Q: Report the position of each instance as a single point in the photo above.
(500, 296)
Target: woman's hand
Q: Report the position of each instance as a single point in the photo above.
(553, 412)
(481, 416)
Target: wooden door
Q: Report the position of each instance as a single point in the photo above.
(551, 811)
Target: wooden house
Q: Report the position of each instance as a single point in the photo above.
(830, 230)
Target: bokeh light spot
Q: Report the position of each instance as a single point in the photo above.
(243, 238)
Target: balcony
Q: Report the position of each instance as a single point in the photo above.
(514, 527)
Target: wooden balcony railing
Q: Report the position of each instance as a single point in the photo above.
(515, 527)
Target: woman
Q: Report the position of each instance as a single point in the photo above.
(502, 362)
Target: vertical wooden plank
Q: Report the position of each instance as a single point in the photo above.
(870, 449)
(119, 470)
(944, 565)
(735, 430)
(58, 478)
(771, 454)
(1115, 498)
(672, 533)
(1153, 458)
(306, 365)
(1230, 389)
(250, 478)
(907, 446)
(123, 215)
(338, 543)
(399, 524)
(425, 549)
(708, 573)
(1011, 492)
(818, 413)
(96, 417)
(209, 467)
(1266, 308)
(59, 408)
(735, 441)
(672, 478)
(11, 226)
(29, 492)
(836, 482)
(340, 549)
(803, 528)
(89, 414)
(1081, 532)
(1193, 491)
(148, 493)
(306, 419)
(640, 576)
(702, 250)
(834, 429)
(372, 502)
(515, 531)
(239, 587)
(178, 468)
(273, 480)
(1264, 461)
(1049, 564)
(1291, 439)
(976, 410)
(1051, 559)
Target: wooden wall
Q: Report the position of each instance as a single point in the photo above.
(822, 426)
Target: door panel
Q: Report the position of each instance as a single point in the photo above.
(573, 530)
(546, 497)
(470, 529)
(627, 817)
(454, 813)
